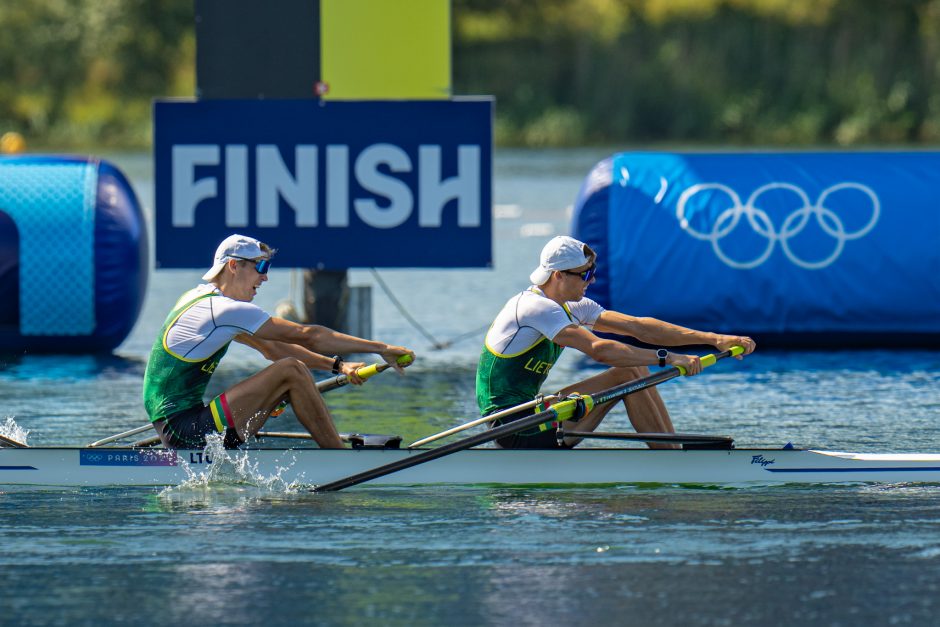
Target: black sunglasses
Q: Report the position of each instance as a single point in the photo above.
(261, 265)
(585, 275)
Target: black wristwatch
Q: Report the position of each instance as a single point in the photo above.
(337, 362)
(662, 354)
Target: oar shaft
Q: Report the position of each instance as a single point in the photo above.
(441, 451)
(560, 412)
(488, 418)
(153, 441)
(11, 442)
(121, 436)
(291, 435)
(679, 438)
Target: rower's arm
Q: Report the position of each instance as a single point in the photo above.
(321, 340)
(660, 333)
(274, 350)
(613, 353)
(652, 331)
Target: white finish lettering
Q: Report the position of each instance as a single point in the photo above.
(391, 203)
(275, 180)
(187, 191)
(236, 185)
(337, 186)
(398, 193)
(433, 193)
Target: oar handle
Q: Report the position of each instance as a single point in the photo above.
(370, 371)
(709, 360)
(364, 373)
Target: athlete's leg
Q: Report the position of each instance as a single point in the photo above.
(252, 401)
(645, 408)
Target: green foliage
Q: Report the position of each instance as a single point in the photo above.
(76, 73)
(785, 72)
(84, 72)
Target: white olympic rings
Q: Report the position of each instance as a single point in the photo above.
(761, 224)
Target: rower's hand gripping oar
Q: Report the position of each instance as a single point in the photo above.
(340, 380)
(326, 385)
(574, 406)
(364, 373)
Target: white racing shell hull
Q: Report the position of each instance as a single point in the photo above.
(146, 467)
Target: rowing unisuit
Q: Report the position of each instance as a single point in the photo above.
(518, 350)
(194, 338)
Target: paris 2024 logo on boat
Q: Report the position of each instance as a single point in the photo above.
(812, 235)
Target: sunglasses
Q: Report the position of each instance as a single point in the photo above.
(585, 275)
(261, 265)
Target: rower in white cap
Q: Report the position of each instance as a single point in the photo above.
(196, 335)
(533, 328)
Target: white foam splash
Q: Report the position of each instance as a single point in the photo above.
(234, 468)
(13, 431)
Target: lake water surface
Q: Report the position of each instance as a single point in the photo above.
(640, 555)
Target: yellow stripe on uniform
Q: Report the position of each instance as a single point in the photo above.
(217, 414)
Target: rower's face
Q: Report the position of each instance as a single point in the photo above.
(247, 280)
(574, 285)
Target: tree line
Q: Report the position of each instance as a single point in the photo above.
(564, 72)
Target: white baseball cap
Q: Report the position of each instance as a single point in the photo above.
(560, 253)
(234, 247)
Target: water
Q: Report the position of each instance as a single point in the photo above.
(247, 554)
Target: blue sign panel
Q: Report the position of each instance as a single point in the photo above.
(789, 245)
(329, 184)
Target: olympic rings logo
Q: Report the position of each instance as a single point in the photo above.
(760, 222)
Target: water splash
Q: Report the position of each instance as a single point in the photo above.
(234, 468)
(9, 429)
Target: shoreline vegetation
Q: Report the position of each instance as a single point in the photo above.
(738, 73)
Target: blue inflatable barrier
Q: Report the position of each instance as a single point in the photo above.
(73, 255)
(826, 249)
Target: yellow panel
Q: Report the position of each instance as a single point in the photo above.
(375, 49)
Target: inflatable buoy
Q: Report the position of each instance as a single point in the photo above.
(793, 248)
(73, 255)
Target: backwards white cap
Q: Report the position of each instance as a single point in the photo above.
(234, 247)
(560, 253)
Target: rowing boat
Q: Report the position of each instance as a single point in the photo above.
(703, 460)
(308, 466)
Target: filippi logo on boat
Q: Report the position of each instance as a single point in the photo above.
(812, 235)
(331, 185)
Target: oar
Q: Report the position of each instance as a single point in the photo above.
(120, 436)
(365, 372)
(488, 418)
(572, 407)
(11, 442)
(723, 441)
(323, 386)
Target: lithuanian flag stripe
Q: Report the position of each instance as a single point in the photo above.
(218, 413)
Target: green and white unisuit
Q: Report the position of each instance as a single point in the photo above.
(518, 351)
(194, 338)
